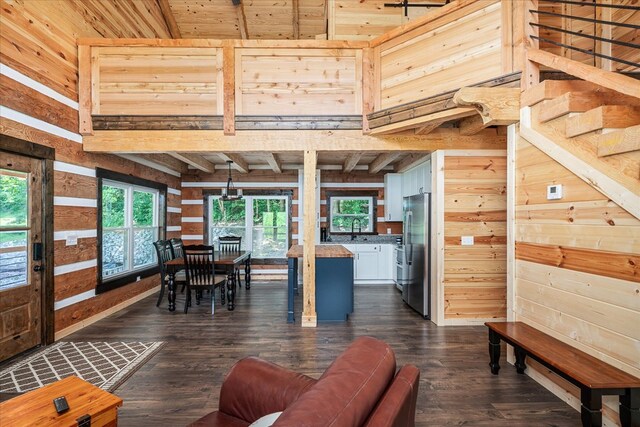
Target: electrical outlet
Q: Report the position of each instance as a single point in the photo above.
(388, 231)
(72, 240)
(466, 240)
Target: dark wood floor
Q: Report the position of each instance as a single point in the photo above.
(182, 382)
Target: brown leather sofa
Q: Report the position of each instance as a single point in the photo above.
(360, 388)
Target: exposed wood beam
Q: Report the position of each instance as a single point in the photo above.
(296, 19)
(169, 19)
(195, 160)
(471, 125)
(162, 141)
(381, 161)
(440, 117)
(168, 161)
(351, 161)
(273, 161)
(239, 163)
(410, 161)
(496, 105)
(242, 21)
(229, 95)
(425, 130)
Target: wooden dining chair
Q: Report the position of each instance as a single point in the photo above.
(200, 273)
(230, 244)
(164, 251)
(176, 245)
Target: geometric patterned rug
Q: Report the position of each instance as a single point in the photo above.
(104, 364)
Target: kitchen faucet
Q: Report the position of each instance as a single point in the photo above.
(353, 236)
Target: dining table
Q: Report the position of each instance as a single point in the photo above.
(229, 260)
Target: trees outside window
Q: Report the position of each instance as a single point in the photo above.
(261, 221)
(344, 210)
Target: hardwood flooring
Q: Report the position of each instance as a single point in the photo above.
(182, 382)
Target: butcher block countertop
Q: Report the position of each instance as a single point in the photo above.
(322, 251)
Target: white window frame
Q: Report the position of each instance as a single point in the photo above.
(340, 198)
(130, 228)
(247, 240)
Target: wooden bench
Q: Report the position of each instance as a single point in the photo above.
(594, 377)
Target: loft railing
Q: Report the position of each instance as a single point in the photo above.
(596, 32)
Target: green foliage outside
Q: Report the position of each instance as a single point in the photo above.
(13, 201)
(345, 211)
(113, 207)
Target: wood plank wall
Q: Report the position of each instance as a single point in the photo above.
(441, 56)
(475, 204)
(335, 181)
(38, 41)
(576, 272)
(157, 81)
(298, 81)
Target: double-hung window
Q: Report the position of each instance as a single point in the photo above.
(261, 220)
(131, 219)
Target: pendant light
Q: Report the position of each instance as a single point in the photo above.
(230, 192)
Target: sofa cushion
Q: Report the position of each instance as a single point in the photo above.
(219, 419)
(349, 389)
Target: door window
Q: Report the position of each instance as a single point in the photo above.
(14, 228)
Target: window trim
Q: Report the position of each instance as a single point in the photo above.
(354, 194)
(107, 284)
(207, 194)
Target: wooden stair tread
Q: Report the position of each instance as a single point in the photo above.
(618, 142)
(550, 89)
(603, 117)
(570, 102)
(585, 369)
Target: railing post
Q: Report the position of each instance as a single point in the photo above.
(523, 30)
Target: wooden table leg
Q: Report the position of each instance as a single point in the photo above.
(172, 291)
(520, 356)
(223, 293)
(630, 408)
(494, 352)
(247, 273)
(591, 410)
(231, 287)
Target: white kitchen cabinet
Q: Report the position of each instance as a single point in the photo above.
(393, 197)
(417, 180)
(372, 263)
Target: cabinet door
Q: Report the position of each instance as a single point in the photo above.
(386, 262)
(367, 263)
(393, 197)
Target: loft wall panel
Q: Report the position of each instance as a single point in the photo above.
(576, 269)
(434, 59)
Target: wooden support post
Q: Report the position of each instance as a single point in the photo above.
(368, 87)
(228, 72)
(84, 89)
(523, 30)
(309, 317)
(604, 31)
(508, 65)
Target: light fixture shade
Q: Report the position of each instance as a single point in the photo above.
(230, 192)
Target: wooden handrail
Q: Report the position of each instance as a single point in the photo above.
(618, 82)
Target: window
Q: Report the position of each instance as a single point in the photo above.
(349, 212)
(14, 228)
(261, 221)
(130, 221)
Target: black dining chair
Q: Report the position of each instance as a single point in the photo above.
(176, 245)
(164, 251)
(230, 244)
(200, 274)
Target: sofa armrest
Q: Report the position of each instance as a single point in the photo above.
(255, 387)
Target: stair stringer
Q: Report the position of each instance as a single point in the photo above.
(618, 187)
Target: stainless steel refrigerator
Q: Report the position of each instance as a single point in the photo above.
(416, 289)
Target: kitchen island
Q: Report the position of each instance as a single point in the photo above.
(334, 282)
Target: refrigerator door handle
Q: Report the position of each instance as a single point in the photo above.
(408, 251)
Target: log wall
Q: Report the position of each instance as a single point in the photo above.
(576, 270)
(38, 83)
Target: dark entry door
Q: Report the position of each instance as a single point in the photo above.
(20, 254)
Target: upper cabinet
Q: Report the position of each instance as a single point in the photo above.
(393, 197)
(417, 180)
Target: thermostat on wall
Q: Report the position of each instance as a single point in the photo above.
(554, 192)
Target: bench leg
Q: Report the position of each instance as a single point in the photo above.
(630, 408)
(591, 410)
(520, 356)
(494, 352)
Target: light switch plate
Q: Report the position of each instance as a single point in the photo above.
(72, 240)
(466, 240)
(554, 192)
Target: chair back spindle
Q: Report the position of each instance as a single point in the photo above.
(200, 265)
(229, 243)
(177, 246)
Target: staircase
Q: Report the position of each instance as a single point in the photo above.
(592, 131)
